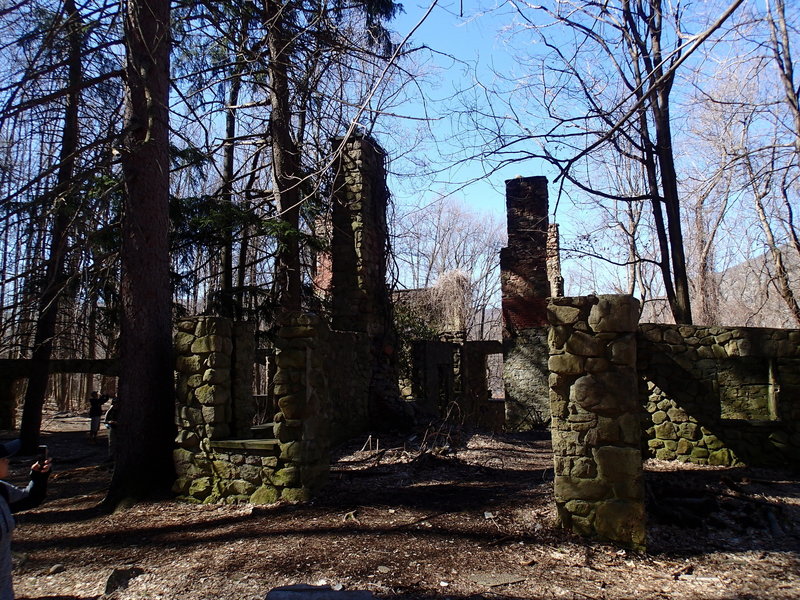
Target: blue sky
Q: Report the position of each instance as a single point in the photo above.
(473, 38)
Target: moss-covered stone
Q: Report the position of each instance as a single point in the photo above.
(295, 495)
(211, 343)
(286, 477)
(188, 364)
(269, 461)
(240, 487)
(251, 473)
(665, 454)
(622, 522)
(666, 431)
(212, 395)
(290, 451)
(583, 344)
(584, 468)
(684, 446)
(677, 415)
(216, 376)
(223, 469)
(265, 494)
(579, 507)
(217, 413)
(183, 342)
(720, 457)
(181, 485)
(659, 417)
(690, 431)
(201, 488)
(568, 488)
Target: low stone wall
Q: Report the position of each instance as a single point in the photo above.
(720, 396)
(599, 488)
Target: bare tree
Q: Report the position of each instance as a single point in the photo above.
(598, 82)
(61, 203)
(445, 237)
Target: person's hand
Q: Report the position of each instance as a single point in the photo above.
(42, 468)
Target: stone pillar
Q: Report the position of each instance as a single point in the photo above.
(301, 425)
(596, 426)
(359, 296)
(204, 346)
(217, 459)
(523, 276)
(358, 240)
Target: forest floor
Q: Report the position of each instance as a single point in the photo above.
(475, 519)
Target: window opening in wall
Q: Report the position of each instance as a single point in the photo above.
(748, 389)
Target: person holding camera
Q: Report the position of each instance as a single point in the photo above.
(14, 499)
(95, 414)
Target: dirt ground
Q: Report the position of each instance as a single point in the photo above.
(474, 519)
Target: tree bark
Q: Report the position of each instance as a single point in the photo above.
(781, 277)
(146, 391)
(285, 160)
(45, 332)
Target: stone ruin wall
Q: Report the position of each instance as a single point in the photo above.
(215, 461)
(720, 395)
(620, 391)
(359, 296)
(349, 387)
(220, 456)
(525, 288)
(596, 418)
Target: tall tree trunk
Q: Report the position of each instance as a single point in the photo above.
(146, 392)
(285, 160)
(659, 102)
(682, 309)
(54, 276)
(228, 304)
(781, 276)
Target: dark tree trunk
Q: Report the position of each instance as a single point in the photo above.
(648, 64)
(31, 424)
(285, 160)
(228, 304)
(681, 307)
(146, 391)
